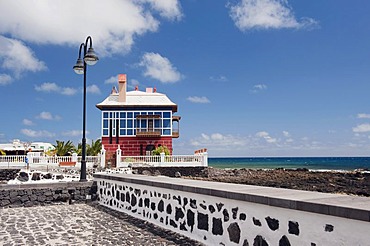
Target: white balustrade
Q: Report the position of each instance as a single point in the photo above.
(122, 161)
(164, 160)
(34, 161)
(12, 159)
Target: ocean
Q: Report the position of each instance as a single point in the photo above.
(312, 163)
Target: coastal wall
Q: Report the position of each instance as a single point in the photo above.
(230, 214)
(172, 171)
(8, 174)
(27, 195)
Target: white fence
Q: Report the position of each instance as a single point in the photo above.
(12, 161)
(37, 161)
(163, 160)
(17, 161)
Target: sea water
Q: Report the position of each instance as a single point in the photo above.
(312, 163)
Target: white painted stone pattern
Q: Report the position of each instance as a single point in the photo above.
(219, 221)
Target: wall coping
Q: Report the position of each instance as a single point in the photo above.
(71, 185)
(346, 206)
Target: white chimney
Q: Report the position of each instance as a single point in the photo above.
(122, 87)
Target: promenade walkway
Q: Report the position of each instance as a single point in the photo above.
(80, 224)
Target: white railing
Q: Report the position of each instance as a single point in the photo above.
(12, 161)
(163, 160)
(12, 158)
(141, 159)
(34, 161)
(184, 158)
(50, 159)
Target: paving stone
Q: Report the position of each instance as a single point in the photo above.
(80, 224)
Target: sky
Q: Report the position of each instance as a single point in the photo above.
(251, 77)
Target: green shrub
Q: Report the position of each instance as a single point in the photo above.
(161, 149)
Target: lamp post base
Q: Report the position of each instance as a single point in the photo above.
(83, 171)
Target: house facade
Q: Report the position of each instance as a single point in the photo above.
(136, 121)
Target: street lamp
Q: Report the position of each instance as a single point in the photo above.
(89, 58)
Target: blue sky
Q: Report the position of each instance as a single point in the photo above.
(251, 77)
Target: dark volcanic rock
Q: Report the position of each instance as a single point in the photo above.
(351, 182)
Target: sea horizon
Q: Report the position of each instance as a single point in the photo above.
(338, 163)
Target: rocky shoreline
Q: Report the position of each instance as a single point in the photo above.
(351, 182)
(343, 182)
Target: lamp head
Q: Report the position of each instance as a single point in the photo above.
(91, 58)
(79, 67)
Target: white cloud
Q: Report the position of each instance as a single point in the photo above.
(111, 80)
(262, 134)
(48, 116)
(205, 136)
(45, 116)
(5, 79)
(220, 78)
(93, 89)
(16, 56)
(361, 128)
(170, 9)
(363, 116)
(160, 68)
(267, 14)
(270, 140)
(259, 87)
(217, 136)
(289, 140)
(262, 144)
(72, 133)
(114, 80)
(27, 122)
(195, 99)
(266, 136)
(113, 26)
(68, 91)
(48, 87)
(53, 87)
(287, 137)
(218, 140)
(38, 134)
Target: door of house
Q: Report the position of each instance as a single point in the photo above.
(149, 149)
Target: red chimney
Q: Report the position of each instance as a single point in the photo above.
(122, 87)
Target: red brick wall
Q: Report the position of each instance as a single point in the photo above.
(130, 146)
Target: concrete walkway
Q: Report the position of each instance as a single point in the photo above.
(80, 224)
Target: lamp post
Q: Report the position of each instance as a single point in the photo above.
(89, 58)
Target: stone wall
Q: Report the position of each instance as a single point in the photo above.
(27, 195)
(223, 214)
(8, 174)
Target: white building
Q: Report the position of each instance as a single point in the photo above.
(20, 148)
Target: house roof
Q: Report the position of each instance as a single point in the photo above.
(138, 99)
(19, 146)
(11, 147)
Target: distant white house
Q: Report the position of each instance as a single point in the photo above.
(41, 147)
(20, 148)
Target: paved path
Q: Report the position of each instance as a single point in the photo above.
(80, 224)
